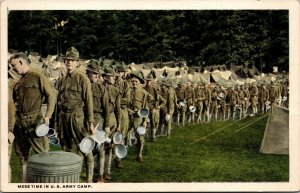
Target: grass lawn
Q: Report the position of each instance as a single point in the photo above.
(224, 156)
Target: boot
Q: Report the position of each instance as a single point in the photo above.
(140, 152)
(24, 172)
(90, 171)
(107, 165)
(153, 135)
(119, 164)
(233, 116)
(162, 131)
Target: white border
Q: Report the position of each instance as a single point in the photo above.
(294, 20)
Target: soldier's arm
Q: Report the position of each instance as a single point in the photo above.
(87, 98)
(118, 109)
(50, 94)
(105, 105)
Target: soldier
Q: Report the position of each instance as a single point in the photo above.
(101, 109)
(273, 93)
(76, 118)
(253, 97)
(263, 98)
(181, 99)
(28, 94)
(123, 86)
(169, 108)
(246, 99)
(241, 100)
(284, 93)
(190, 98)
(154, 105)
(233, 101)
(11, 119)
(138, 100)
(214, 103)
(199, 100)
(115, 117)
(207, 102)
(222, 102)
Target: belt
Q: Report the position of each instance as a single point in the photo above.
(30, 113)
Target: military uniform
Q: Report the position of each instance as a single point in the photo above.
(29, 93)
(214, 103)
(263, 98)
(233, 101)
(222, 102)
(246, 99)
(199, 100)
(181, 97)
(154, 106)
(253, 97)
(169, 108)
(75, 100)
(138, 100)
(190, 102)
(207, 102)
(114, 121)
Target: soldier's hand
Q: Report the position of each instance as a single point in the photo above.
(92, 128)
(47, 120)
(107, 130)
(118, 128)
(145, 124)
(130, 112)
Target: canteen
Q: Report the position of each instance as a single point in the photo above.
(144, 112)
(87, 144)
(42, 130)
(100, 136)
(168, 117)
(141, 130)
(118, 138)
(54, 140)
(192, 109)
(121, 151)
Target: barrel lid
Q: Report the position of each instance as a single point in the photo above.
(55, 158)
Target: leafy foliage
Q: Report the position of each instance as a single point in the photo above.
(209, 37)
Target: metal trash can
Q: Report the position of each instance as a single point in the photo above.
(54, 167)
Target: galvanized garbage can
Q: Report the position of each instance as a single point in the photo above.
(54, 167)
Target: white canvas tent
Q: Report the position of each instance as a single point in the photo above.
(276, 137)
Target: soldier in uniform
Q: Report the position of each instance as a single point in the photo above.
(11, 119)
(181, 98)
(199, 100)
(138, 100)
(273, 93)
(190, 98)
(76, 118)
(28, 95)
(241, 104)
(154, 105)
(115, 117)
(123, 85)
(207, 102)
(169, 108)
(245, 89)
(253, 97)
(101, 109)
(222, 102)
(263, 98)
(233, 101)
(214, 103)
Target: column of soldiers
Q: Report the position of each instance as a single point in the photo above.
(110, 99)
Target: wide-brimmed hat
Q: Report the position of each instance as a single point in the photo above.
(93, 66)
(139, 75)
(72, 54)
(149, 76)
(122, 67)
(108, 71)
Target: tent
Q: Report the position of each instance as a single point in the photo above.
(276, 137)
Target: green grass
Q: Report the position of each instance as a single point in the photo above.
(225, 156)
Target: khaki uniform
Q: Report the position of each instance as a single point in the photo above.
(207, 102)
(199, 101)
(246, 100)
(114, 123)
(253, 97)
(190, 102)
(222, 102)
(154, 106)
(181, 97)
(273, 94)
(29, 93)
(75, 100)
(169, 108)
(138, 100)
(263, 98)
(11, 120)
(233, 101)
(214, 103)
